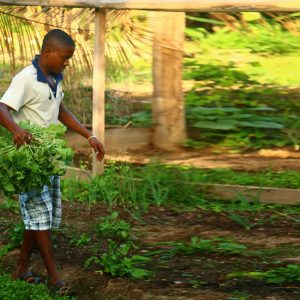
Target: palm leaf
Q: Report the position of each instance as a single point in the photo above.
(22, 30)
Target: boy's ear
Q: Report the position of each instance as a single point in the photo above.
(47, 50)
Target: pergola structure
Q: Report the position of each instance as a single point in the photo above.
(167, 60)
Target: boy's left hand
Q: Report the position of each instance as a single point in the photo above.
(98, 148)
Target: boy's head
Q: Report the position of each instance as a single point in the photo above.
(57, 48)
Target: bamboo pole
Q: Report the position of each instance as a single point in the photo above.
(169, 5)
(99, 84)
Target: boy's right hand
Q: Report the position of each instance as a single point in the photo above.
(21, 136)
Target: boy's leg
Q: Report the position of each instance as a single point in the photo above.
(41, 212)
(28, 244)
(43, 239)
(44, 242)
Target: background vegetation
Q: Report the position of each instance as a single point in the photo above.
(242, 93)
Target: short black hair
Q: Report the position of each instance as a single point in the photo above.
(57, 38)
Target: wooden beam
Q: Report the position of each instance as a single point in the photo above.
(169, 5)
(99, 84)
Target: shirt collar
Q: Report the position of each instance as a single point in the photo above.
(40, 75)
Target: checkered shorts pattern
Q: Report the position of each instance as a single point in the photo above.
(42, 210)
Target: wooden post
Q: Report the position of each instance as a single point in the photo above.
(168, 101)
(99, 84)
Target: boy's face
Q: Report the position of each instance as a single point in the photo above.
(58, 59)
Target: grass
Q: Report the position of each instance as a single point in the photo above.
(267, 69)
(176, 186)
(188, 175)
(280, 275)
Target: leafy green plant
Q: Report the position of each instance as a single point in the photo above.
(216, 245)
(111, 227)
(196, 283)
(20, 290)
(16, 234)
(83, 239)
(288, 274)
(198, 245)
(15, 239)
(271, 39)
(5, 249)
(142, 118)
(117, 262)
(30, 166)
(239, 295)
(214, 74)
(239, 128)
(230, 118)
(9, 204)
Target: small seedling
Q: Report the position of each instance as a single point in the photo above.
(112, 227)
(81, 240)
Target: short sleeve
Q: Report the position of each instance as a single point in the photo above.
(14, 96)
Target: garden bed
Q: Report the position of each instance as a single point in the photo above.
(270, 242)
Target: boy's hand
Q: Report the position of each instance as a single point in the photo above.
(98, 148)
(21, 137)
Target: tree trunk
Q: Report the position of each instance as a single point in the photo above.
(168, 101)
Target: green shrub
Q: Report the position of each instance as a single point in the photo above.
(112, 227)
(118, 262)
(21, 290)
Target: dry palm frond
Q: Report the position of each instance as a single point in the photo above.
(236, 21)
(290, 21)
(22, 30)
(231, 20)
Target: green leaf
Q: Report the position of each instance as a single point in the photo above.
(140, 273)
(9, 187)
(220, 124)
(262, 124)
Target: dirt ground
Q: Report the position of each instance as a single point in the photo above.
(195, 276)
(180, 277)
(278, 159)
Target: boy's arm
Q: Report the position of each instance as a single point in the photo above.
(20, 136)
(68, 119)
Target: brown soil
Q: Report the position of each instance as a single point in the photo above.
(277, 160)
(273, 159)
(194, 276)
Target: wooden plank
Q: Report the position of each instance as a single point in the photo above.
(169, 5)
(99, 84)
(271, 195)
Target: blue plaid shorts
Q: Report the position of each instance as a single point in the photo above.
(42, 210)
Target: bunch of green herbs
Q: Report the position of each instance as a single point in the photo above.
(30, 166)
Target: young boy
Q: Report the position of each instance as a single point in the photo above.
(35, 95)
